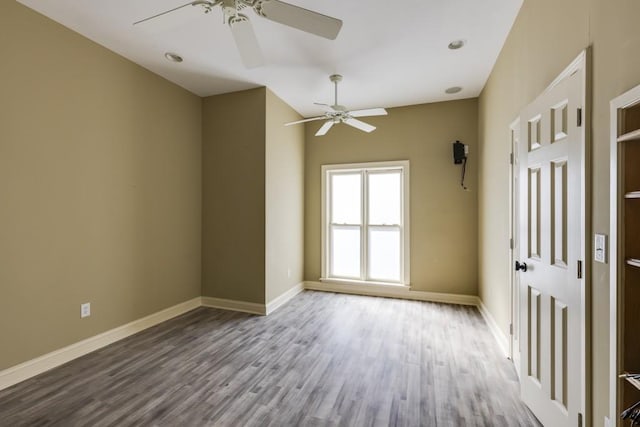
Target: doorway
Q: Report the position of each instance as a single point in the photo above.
(550, 280)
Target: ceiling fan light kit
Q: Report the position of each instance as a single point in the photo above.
(273, 10)
(339, 114)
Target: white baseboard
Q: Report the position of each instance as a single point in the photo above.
(284, 298)
(233, 305)
(31, 368)
(391, 291)
(501, 338)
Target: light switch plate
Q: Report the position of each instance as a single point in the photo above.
(600, 248)
(85, 310)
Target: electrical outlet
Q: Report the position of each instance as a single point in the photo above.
(85, 310)
(289, 273)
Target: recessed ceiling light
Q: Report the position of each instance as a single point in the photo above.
(453, 90)
(173, 57)
(456, 44)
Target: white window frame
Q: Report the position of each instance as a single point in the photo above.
(364, 168)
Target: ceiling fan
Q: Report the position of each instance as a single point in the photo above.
(340, 114)
(274, 10)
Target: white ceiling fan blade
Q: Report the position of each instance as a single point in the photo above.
(246, 41)
(325, 105)
(360, 125)
(173, 18)
(368, 112)
(325, 128)
(300, 18)
(162, 13)
(305, 120)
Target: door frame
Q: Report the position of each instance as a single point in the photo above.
(514, 353)
(581, 64)
(616, 326)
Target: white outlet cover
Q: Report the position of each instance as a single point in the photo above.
(600, 248)
(85, 310)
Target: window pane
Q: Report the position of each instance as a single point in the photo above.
(345, 198)
(345, 252)
(384, 254)
(384, 198)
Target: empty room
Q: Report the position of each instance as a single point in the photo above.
(319, 213)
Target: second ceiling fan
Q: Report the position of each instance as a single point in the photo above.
(274, 10)
(340, 114)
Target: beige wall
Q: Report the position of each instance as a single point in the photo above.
(100, 187)
(546, 37)
(252, 197)
(284, 204)
(443, 216)
(233, 199)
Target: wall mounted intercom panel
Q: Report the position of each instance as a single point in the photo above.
(460, 152)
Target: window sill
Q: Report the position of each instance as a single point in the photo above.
(365, 283)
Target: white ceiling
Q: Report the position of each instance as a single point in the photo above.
(391, 53)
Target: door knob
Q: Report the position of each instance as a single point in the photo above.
(521, 266)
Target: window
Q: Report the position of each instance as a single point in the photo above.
(365, 222)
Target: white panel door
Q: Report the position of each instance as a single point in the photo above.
(551, 162)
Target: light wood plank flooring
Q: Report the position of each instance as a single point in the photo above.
(321, 360)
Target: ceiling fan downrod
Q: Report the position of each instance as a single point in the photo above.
(335, 78)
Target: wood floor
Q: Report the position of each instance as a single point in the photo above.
(321, 360)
